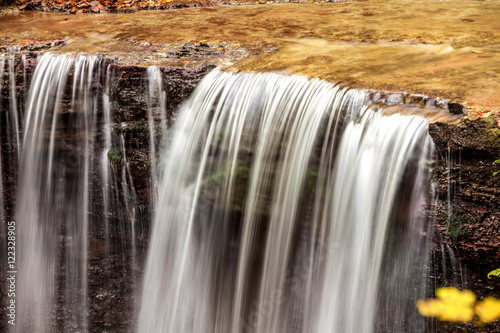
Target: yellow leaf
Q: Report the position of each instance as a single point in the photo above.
(45, 31)
(456, 312)
(451, 305)
(488, 310)
(430, 307)
(477, 51)
(453, 295)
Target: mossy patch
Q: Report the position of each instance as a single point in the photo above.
(136, 126)
(312, 179)
(115, 157)
(456, 224)
(240, 173)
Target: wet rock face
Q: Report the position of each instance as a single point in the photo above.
(10, 94)
(129, 104)
(479, 138)
(113, 302)
(467, 187)
(467, 215)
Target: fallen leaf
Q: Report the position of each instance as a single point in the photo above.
(451, 305)
(488, 310)
(430, 307)
(477, 51)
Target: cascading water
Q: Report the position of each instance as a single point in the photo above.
(77, 209)
(369, 206)
(14, 113)
(2, 204)
(53, 194)
(11, 121)
(287, 205)
(156, 110)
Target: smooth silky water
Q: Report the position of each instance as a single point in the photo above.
(53, 197)
(2, 203)
(283, 204)
(157, 119)
(288, 205)
(68, 189)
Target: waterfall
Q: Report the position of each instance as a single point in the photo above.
(157, 113)
(2, 203)
(14, 114)
(11, 121)
(288, 205)
(372, 160)
(53, 194)
(284, 204)
(78, 211)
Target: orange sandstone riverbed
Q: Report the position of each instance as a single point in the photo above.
(442, 48)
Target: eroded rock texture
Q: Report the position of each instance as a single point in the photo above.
(467, 213)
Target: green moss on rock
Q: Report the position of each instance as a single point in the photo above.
(115, 157)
